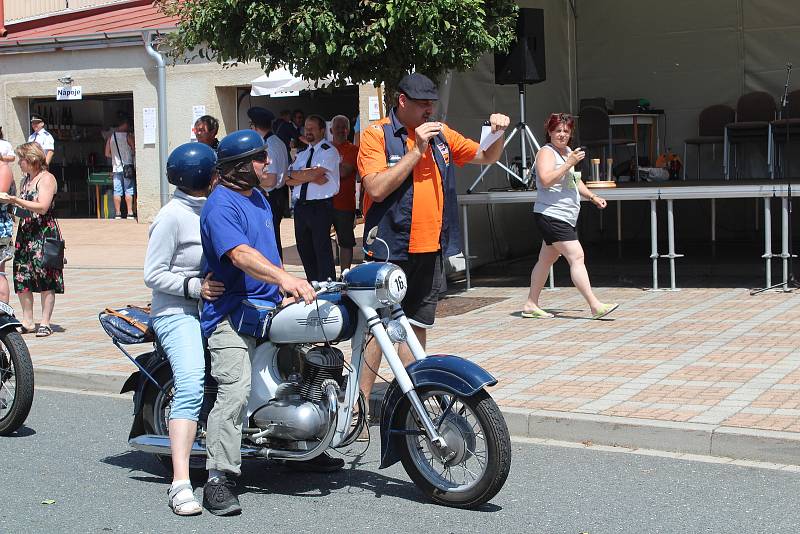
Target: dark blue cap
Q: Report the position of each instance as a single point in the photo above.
(261, 117)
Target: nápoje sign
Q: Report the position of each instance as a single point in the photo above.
(69, 93)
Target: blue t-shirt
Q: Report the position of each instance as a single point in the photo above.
(230, 219)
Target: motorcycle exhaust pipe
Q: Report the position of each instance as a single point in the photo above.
(155, 444)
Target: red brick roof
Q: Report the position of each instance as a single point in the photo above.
(130, 16)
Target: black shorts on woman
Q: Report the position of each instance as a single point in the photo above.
(554, 230)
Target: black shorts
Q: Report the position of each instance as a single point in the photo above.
(343, 224)
(554, 230)
(425, 274)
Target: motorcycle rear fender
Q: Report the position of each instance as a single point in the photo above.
(449, 373)
(137, 382)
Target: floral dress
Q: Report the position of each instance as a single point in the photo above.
(29, 273)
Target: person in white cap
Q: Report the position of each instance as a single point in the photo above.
(43, 137)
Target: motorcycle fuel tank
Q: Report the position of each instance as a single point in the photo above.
(326, 319)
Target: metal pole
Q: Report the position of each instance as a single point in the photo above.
(785, 241)
(654, 242)
(619, 220)
(162, 117)
(671, 242)
(522, 145)
(713, 220)
(466, 244)
(551, 280)
(768, 240)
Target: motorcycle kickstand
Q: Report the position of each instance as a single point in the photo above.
(438, 442)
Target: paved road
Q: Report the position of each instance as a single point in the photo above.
(98, 485)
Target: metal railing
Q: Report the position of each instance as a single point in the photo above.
(25, 9)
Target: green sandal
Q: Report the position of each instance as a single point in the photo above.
(536, 314)
(604, 310)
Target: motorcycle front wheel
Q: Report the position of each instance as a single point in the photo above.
(16, 382)
(156, 406)
(475, 432)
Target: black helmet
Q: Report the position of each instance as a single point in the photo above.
(191, 166)
(239, 145)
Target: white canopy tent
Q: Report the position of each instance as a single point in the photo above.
(281, 82)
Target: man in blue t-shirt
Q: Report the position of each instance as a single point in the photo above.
(240, 250)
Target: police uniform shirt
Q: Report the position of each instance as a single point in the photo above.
(325, 155)
(279, 160)
(44, 139)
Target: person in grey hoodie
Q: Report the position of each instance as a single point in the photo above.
(173, 270)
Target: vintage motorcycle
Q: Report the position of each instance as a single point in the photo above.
(16, 373)
(436, 417)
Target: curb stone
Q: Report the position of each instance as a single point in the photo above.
(692, 438)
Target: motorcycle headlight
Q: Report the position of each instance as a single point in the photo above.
(390, 284)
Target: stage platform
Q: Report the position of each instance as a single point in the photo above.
(669, 192)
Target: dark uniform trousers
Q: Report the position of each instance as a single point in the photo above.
(279, 203)
(312, 227)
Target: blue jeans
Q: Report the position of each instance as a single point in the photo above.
(182, 339)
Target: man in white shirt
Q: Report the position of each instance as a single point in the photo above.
(43, 137)
(314, 177)
(274, 181)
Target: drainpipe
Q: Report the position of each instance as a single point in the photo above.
(3, 31)
(162, 117)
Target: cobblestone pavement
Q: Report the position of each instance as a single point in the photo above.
(711, 356)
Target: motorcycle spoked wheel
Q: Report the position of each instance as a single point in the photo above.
(16, 382)
(475, 429)
(156, 405)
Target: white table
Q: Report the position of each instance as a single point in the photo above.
(669, 193)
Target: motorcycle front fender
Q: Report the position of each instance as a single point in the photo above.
(446, 372)
(8, 322)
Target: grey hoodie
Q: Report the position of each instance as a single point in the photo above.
(174, 253)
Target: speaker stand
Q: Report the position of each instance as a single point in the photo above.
(527, 141)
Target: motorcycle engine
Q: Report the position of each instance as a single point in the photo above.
(297, 411)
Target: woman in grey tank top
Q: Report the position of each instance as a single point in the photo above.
(559, 191)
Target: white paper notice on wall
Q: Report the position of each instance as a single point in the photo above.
(374, 108)
(149, 126)
(197, 112)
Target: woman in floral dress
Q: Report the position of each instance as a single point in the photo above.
(34, 206)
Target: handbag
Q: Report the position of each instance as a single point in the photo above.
(128, 169)
(252, 317)
(128, 325)
(53, 250)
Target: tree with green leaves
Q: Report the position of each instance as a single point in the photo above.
(353, 41)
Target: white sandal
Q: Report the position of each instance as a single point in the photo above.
(184, 506)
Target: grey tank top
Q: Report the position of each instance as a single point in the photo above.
(561, 200)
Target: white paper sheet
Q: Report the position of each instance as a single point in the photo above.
(488, 138)
(149, 126)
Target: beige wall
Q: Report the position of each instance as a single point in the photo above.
(124, 70)
(23, 9)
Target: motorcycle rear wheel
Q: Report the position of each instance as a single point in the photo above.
(156, 406)
(475, 430)
(16, 382)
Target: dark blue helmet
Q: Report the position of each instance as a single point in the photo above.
(239, 145)
(191, 166)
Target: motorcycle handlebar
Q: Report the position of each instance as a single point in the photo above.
(322, 287)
